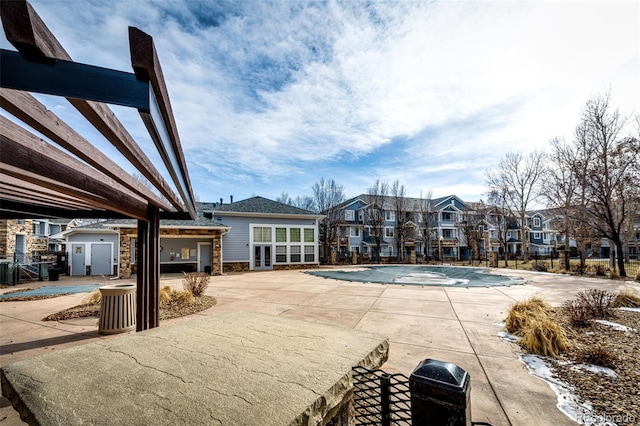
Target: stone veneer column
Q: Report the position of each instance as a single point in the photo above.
(125, 252)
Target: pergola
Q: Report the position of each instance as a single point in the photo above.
(68, 176)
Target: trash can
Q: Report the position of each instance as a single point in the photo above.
(440, 394)
(43, 271)
(54, 274)
(117, 309)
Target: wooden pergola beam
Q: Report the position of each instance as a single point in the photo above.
(9, 193)
(29, 34)
(145, 63)
(22, 187)
(20, 210)
(28, 109)
(24, 152)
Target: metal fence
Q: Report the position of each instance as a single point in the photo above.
(381, 398)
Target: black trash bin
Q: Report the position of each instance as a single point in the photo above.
(440, 394)
(54, 274)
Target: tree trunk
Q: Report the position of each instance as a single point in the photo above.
(620, 256)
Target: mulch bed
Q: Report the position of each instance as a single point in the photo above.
(169, 310)
(617, 398)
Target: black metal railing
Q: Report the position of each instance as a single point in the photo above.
(381, 398)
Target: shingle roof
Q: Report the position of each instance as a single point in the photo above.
(258, 205)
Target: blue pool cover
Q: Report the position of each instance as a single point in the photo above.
(448, 276)
(53, 290)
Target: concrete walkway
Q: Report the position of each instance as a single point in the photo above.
(457, 325)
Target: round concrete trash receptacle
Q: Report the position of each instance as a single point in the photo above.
(117, 308)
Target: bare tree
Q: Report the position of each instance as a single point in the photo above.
(284, 198)
(473, 217)
(304, 202)
(609, 172)
(400, 201)
(517, 178)
(499, 218)
(327, 196)
(375, 214)
(425, 220)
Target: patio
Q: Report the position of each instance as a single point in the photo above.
(457, 325)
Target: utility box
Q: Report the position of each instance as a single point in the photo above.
(440, 394)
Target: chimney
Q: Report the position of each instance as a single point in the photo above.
(220, 200)
(231, 197)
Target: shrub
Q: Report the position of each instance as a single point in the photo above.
(196, 283)
(169, 296)
(578, 313)
(597, 354)
(627, 298)
(165, 294)
(540, 267)
(544, 336)
(600, 302)
(521, 313)
(94, 297)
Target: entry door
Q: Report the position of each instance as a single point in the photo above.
(21, 248)
(262, 257)
(101, 259)
(78, 264)
(204, 257)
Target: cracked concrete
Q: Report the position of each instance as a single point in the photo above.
(451, 324)
(144, 378)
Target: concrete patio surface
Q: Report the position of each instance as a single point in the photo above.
(457, 325)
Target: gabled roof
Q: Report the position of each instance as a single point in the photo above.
(257, 206)
(412, 202)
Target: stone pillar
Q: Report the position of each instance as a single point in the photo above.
(493, 259)
(216, 255)
(334, 257)
(414, 259)
(354, 257)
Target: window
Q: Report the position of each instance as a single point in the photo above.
(388, 232)
(309, 254)
(355, 248)
(281, 254)
(360, 215)
(447, 234)
(536, 222)
(309, 235)
(349, 215)
(355, 231)
(281, 235)
(294, 234)
(389, 216)
(295, 254)
(37, 228)
(261, 234)
(132, 247)
(447, 217)
(536, 235)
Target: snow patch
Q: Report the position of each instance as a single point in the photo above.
(615, 326)
(595, 369)
(568, 403)
(630, 309)
(511, 338)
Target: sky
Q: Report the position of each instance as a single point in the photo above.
(272, 96)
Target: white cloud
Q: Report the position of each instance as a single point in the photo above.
(283, 93)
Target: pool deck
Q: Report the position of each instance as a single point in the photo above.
(457, 325)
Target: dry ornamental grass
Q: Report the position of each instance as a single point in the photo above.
(571, 337)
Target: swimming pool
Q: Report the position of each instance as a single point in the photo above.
(448, 276)
(52, 291)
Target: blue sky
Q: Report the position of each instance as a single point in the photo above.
(272, 96)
